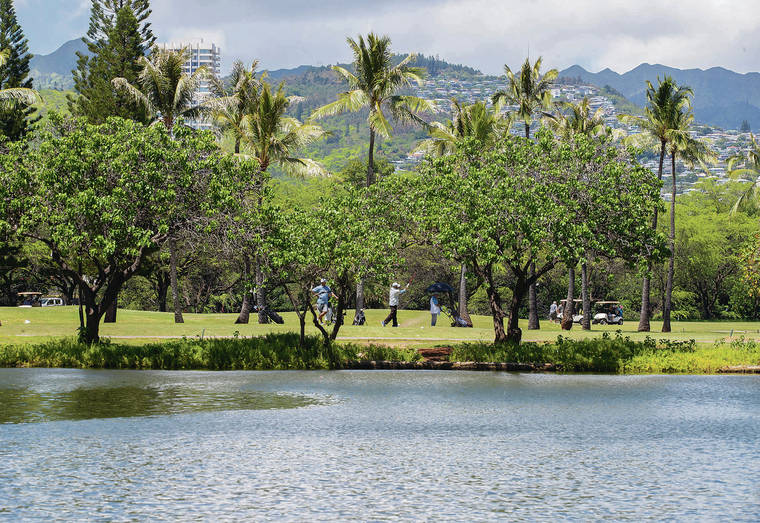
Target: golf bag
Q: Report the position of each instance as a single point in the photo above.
(359, 318)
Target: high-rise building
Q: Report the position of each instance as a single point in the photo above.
(201, 54)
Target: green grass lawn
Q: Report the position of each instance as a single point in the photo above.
(25, 325)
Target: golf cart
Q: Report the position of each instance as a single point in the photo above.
(29, 299)
(608, 312)
(577, 306)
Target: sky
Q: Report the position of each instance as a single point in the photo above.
(594, 34)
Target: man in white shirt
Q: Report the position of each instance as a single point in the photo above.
(396, 291)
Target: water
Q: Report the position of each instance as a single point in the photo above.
(125, 445)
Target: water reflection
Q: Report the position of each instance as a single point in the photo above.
(29, 406)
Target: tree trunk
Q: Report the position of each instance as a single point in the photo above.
(359, 297)
(494, 302)
(245, 309)
(567, 313)
(162, 289)
(371, 159)
(237, 145)
(110, 315)
(463, 295)
(173, 277)
(645, 303)
(671, 263)
(514, 333)
(532, 301)
(527, 131)
(586, 321)
(92, 326)
(261, 295)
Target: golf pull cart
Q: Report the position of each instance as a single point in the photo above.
(452, 311)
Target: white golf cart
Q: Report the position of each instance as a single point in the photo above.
(607, 313)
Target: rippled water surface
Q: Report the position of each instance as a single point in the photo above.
(377, 445)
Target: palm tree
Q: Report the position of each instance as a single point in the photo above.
(273, 138)
(663, 104)
(531, 93)
(374, 85)
(468, 121)
(691, 152)
(231, 104)
(747, 164)
(164, 90)
(476, 121)
(16, 95)
(580, 120)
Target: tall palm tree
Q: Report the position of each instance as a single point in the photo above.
(531, 93)
(374, 85)
(663, 104)
(16, 95)
(477, 121)
(166, 92)
(274, 138)
(163, 88)
(691, 151)
(231, 104)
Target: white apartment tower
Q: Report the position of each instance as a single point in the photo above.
(201, 54)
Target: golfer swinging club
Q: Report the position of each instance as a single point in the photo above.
(396, 291)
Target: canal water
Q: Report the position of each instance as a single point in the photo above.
(377, 445)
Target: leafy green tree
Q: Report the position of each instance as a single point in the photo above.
(14, 75)
(322, 243)
(663, 105)
(354, 173)
(233, 102)
(166, 92)
(486, 126)
(118, 37)
(692, 151)
(515, 205)
(101, 198)
(531, 92)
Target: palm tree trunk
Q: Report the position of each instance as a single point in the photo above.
(173, 277)
(261, 295)
(645, 286)
(371, 159)
(463, 295)
(671, 263)
(586, 321)
(237, 145)
(567, 314)
(533, 323)
(245, 309)
(527, 131)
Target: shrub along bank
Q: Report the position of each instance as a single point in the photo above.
(611, 354)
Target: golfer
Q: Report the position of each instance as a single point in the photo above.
(323, 293)
(396, 291)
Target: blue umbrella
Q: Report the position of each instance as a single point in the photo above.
(439, 287)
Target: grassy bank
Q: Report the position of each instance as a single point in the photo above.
(610, 354)
(271, 352)
(22, 326)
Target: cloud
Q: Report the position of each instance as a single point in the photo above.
(482, 33)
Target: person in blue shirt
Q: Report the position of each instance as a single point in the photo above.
(323, 293)
(435, 309)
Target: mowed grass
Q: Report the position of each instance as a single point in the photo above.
(32, 325)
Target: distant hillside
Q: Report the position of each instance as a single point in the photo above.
(53, 71)
(721, 97)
